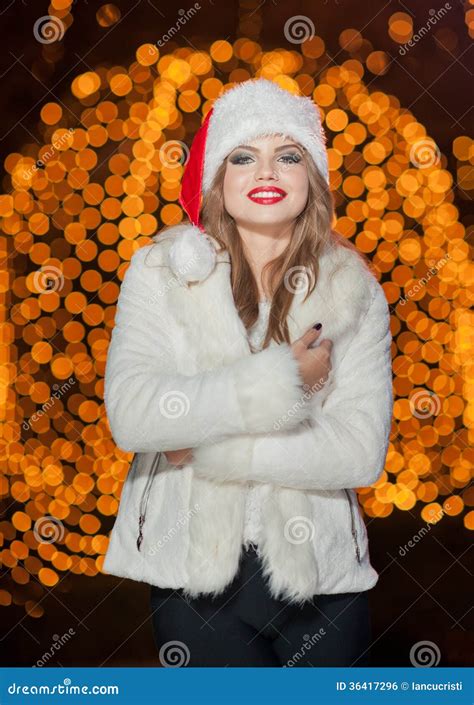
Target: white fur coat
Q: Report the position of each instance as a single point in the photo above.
(180, 374)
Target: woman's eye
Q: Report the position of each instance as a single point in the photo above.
(240, 159)
(293, 158)
(290, 158)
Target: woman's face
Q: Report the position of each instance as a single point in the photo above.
(266, 182)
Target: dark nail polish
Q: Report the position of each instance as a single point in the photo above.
(317, 326)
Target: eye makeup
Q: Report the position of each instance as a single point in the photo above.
(245, 158)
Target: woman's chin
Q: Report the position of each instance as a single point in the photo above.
(264, 223)
(265, 215)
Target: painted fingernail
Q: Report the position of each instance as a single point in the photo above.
(317, 326)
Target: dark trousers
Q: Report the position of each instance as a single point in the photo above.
(245, 626)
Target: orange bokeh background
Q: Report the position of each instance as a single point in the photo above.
(81, 204)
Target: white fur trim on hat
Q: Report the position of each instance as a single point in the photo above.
(260, 107)
(191, 256)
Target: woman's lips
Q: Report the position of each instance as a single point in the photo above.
(266, 196)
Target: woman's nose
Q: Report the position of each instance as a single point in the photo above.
(266, 171)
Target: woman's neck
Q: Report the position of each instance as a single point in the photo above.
(261, 246)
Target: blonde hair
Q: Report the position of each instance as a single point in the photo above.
(312, 232)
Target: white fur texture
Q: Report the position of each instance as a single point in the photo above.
(345, 444)
(151, 405)
(192, 257)
(260, 107)
(179, 374)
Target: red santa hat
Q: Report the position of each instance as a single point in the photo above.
(249, 110)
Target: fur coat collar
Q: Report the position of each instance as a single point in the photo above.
(180, 373)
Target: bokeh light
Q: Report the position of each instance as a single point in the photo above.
(79, 206)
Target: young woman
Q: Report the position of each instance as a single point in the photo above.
(250, 372)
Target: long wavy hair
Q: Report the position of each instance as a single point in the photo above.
(295, 269)
(297, 266)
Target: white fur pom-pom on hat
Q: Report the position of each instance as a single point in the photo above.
(192, 256)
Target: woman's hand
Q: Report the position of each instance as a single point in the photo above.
(314, 363)
(179, 457)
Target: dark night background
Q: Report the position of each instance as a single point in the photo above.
(426, 595)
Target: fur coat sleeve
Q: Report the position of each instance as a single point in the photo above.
(343, 444)
(150, 407)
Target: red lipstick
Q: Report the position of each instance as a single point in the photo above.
(266, 195)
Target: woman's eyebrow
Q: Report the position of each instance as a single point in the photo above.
(255, 149)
